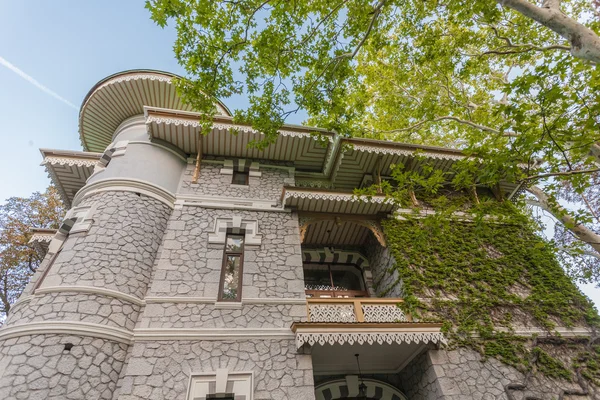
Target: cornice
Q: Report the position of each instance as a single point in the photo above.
(125, 185)
(91, 290)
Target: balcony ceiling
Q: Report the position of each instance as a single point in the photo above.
(330, 233)
(121, 96)
(69, 170)
(374, 358)
(295, 144)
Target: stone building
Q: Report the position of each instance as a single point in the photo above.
(195, 267)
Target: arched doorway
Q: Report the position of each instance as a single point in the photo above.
(347, 389)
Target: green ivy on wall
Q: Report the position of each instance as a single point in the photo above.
(480, 270)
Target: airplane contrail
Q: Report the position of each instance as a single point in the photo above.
(36, 83)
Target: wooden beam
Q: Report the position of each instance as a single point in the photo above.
(198, 159)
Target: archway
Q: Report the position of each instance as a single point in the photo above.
(347, 389)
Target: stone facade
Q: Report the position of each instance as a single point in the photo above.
(463, 374)
(73, 306)
(119, 249)
(161, 370)
(188, 265)
(38, 367)
(128, 308)
(213, 182)
(386, 283)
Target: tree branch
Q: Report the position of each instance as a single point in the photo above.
(565, 173)
(585, 43)
(456, 119)
(582, 232)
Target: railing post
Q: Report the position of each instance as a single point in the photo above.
(358, 311)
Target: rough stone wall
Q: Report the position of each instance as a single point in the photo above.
(212, 183)
(119, 249)
(161, 370)
(38, 368)
(420, 379)
(463, 374)
(116, 253)
(69, 306)
(381, 260)
(187, 265)
(185, 315)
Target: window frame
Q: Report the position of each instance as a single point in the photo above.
(337, 293)
(226, 253)
(246, 175)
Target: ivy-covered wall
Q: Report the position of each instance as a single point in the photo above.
(486, 275)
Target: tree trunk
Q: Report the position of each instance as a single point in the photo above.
(582, 232)
(585, 43)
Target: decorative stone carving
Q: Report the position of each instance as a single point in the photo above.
(235, 224)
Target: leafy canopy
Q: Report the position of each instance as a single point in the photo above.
(508, 80)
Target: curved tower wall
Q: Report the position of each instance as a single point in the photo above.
(139, 160)
(71, 330)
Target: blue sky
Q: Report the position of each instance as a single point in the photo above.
(68, 46)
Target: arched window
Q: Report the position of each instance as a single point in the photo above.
(334, 280)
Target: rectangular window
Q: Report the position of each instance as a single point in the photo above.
(240, 178)
(230, 288)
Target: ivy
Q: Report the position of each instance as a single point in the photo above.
(481, 271)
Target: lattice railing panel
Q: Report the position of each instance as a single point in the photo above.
(331, 313)
(383, 313)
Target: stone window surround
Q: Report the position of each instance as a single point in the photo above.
(240, 255)
(235, 224)
(115, 149)
(216, 382)
(78, 219)
(241, 165)
(258, 165)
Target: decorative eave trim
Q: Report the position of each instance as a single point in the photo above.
(80, 162)
(302, 193)
(45, 237)
(189, 118)
(368, 338)
(386, 147)
(366, 333)
(40, 240)
(223, 126)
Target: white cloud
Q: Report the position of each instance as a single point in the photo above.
(35, 83)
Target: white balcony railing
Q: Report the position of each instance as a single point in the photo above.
(353, 310)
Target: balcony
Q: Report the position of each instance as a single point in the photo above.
(355, 310)
(376, 328)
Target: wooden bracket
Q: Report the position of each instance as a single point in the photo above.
(198, 160)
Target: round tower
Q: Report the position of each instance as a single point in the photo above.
(68, 335)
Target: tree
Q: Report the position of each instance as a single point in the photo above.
(511, 82)
(18, 260)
